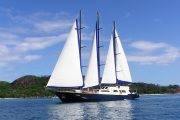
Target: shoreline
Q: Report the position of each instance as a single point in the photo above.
(31, 98)
(57, 97)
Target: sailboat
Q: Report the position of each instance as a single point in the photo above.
(70, 85)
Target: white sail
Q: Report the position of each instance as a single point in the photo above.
(122, 68)
(109, 75)
(91, 78)
(67, 72)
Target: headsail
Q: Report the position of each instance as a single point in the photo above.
(67, 72)
(109, 75)
(92, 78)
(122, 68)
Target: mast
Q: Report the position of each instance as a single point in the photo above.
(114, 48)
(123, 74)
(98, 46)
(80, 37)
(109, 76)
(78, 22)
(92, 77)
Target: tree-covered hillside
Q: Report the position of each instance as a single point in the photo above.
(144, 88)
(27, 86)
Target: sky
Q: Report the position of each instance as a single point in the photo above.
(33, 32)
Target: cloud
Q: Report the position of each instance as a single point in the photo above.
(147, 45)
(8, 38)
(18, 52)
(37, 22)
(30, 58)
(3, 50)
(49, 26)
(24, 34)
(146, 52)
(20, 42)
(128, 14)
(39, 43)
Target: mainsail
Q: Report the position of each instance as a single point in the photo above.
(92, 78)
(109, 74)
(67, 72)
(122, 68)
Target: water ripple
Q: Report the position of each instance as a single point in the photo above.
(165, 107)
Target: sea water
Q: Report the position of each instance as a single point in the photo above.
(147, 107)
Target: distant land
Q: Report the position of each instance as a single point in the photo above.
(34, 86)
(26, 86)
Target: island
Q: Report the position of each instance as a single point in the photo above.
(34, 86)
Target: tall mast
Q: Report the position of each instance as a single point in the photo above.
(80, 46)
(114, 47)
(79, 35)
(98, 45)
(79, 27)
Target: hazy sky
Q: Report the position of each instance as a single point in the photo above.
(32, 34)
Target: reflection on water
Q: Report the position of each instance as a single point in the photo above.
(92, 111)
(66, 111)
(117, 110)
(162, 107)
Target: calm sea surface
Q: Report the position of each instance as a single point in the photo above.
(147, 107)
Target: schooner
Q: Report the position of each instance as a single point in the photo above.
(68, 82)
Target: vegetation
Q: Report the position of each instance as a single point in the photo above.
(33, 86)
(144, 88)
(27, 86)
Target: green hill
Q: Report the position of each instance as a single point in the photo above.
(26, 86)
(5, 89)
(34, 86)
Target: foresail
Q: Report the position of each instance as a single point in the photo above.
(109, 75)
(91, 78)
(67, 72)
(122, 68)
